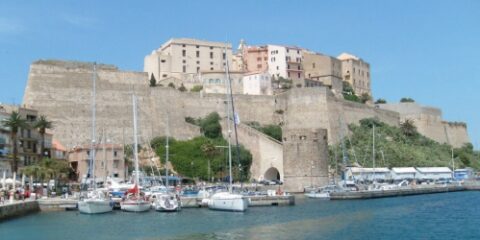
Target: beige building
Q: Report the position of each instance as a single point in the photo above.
(324, 69)
(255, 58)
(109, 161)
(185, 58)
(214, 81)
(259, 83)
(356, 72)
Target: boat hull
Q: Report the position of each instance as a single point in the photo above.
(135, 206)
(95, 206)
(320, 195)
(228, 202)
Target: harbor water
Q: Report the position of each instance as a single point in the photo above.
(453, 215)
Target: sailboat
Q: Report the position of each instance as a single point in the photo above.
(229, 201)
(135, 201)
(96, 201)
(168, 201)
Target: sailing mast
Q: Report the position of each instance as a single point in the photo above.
(229, 110)
(135, 147)
(92, 148)
(167, 153)
(373, 151)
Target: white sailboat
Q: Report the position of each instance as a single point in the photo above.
(168, 201)
(228, 201)
(96, 201)
(135, 201)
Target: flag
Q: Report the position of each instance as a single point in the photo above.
(133, 190)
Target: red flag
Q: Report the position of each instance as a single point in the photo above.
(133, 190)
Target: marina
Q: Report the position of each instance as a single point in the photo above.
(439, 215)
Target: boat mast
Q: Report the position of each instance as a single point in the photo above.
(135, 140)
(167, 153)
(373, 151)
(229, 107)
(92, 149)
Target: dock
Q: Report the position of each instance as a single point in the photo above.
(57, 204)
(407, 191)
(255, 201)
(14, 209)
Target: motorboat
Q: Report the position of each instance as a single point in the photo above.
(227, 201)
(323, 192)
(95, 202)
(166, 202)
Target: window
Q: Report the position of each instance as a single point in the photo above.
(115, 163)
(163, 60)
(298, 67)
(88, 153)
(224, 56)
(278, 68)
(289, 74)
(313, 65)
(184, 68)
(211, 47)
(184, 52)
(198, 62)
(183, 45)
(198, 54)
(298, 51)
(265, 58)
(198, 46)
(288, 66)
(211, 69)
(164, 75)
(211, 63)
(184, 61)
(259, 65)
(211, 54)
(299, 74)
(198, 69)
(287, 50)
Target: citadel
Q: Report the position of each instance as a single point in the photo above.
(298, 89)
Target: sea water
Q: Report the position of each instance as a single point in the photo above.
(435, 216)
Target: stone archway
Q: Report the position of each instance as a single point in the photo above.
(272, 174)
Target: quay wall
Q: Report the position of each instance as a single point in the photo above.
(12, 210)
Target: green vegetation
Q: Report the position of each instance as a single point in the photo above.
(400, 147)
(15, 122)
(171, 85)
(406, 99)
(349, 93)
(364, 98)
(47, 169)
(380, 101)
(42, 124)
(196, 88)
(153, 81)
(271, 130)
(205, 157)
(282, 83)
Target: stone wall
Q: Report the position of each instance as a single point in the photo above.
(305, 156)
(428, 121)
(12, 210)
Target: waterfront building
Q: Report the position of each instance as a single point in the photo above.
(464, 174)
(257, 83)
(434, 173)
(361, 174)
(356, 72)
(404, 173)
(323, 69)
(185, 58)
(109, 161)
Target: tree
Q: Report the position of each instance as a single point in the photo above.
(15, 122)
(408, 127)
(171, 85)
(42, 124)
(153, 81)
(196, 88)
(47, 169)
(209, 151)
(406, 100)
(182, 88)
(380, 101)
(365, 97)
(210, 126)
(349, 93)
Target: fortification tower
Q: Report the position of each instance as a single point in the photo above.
(305, 158)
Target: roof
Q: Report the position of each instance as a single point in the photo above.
(58, 146)
(346, 56)
(192, 41)
(404, 170)
(368, 170)
(434, 170)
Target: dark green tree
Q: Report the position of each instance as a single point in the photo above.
(406, 100)
(42, 124)
(153, 81)
(15, 122)
(380, 101)
(182, 88)
(408, 128)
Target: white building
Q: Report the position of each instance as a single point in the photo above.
(286, 62)
(214, 81)
(259, 83)
(404, 173)
(434, 173)
(368, 174)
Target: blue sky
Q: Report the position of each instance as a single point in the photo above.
(426, 50)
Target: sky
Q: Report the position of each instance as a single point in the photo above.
(428, 50)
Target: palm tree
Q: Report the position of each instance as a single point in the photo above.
(15, 122)
(209, 151)
(42, 124)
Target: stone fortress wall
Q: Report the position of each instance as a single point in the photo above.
(428, 121)
(62, 91)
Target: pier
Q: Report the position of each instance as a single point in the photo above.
(396, 192)
(17, 208)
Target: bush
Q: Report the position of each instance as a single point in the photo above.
(182, 88)
(171, 85)
(406, 99)
(196, 88)
(380, 101)
(210, 126)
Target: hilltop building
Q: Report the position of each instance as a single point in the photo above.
(356, 72)
(324, 69)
